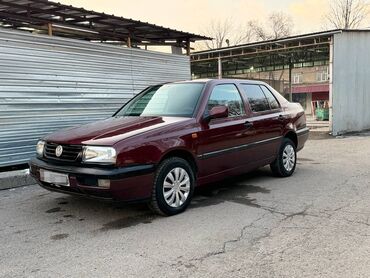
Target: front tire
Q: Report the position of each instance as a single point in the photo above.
(173, 187)
(286, 161)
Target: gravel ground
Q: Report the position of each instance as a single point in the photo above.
(313, 224)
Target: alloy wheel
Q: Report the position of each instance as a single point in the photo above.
(289, 157)
(176, 187)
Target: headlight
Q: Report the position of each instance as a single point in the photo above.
(40, 148)
(92, 154)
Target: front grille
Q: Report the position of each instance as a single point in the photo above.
(70, 152)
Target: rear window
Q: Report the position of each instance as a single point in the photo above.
(274, 104)
(256, 98)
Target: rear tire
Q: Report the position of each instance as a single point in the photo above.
(286, 161)
(173, 187)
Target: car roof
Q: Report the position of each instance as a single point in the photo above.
(222, 81)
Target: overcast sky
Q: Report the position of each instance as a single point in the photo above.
(194, 15)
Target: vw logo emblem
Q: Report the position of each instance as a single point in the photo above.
(59, 151)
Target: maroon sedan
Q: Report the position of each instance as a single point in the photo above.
(171, 138)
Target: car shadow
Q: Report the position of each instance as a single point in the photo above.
(115, 216)
(236, 190)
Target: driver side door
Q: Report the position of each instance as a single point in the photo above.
(220, 141)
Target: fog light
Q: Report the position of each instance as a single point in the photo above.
(104, 183)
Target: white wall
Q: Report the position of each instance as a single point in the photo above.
(351, 82)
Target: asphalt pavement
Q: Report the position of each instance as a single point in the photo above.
(313, 224)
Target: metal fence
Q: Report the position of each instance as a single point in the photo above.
(351, 82)
(48, 83)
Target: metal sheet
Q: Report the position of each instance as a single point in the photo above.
(48, 83)
(351, 82)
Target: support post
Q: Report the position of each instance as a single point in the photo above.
(188, 47)
(291, 66)
(50, 29)
(129, 42)
(219, 67)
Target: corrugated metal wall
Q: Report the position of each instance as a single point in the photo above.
(48, 83)
(351, 82)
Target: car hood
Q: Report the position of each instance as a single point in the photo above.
(110, 131)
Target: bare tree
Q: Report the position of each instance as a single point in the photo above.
(225, 33)
(278, 25)
(259, 31)
(281, 25)
(347, 14)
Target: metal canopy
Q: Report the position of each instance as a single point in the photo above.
(42, 16)
(264, 56)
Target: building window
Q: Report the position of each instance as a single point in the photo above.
(322, 76)
(297, 78)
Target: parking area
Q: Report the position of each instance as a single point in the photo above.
(315, 223)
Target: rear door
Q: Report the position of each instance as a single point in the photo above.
(267, 119)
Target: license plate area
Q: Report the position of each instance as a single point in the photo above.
(58, 179)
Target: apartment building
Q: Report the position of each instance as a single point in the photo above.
(310, 83)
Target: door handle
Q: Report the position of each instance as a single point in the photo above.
(248, 124)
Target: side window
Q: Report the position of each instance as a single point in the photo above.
(228, 95)
(274, 104)
(256, 98)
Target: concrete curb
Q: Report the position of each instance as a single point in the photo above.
(13, 179)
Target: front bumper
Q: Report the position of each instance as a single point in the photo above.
(126, 183)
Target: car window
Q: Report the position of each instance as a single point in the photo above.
(175, 100)
(274, 104)
(228, 95)
(256, 98)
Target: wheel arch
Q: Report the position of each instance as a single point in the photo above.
(184, 154)
(292, 136)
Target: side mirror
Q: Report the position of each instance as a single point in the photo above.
(217, 112)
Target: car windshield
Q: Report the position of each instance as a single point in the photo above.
(176, 100)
